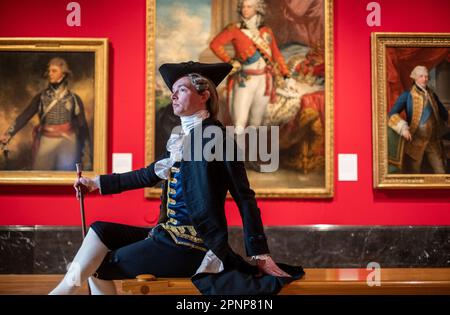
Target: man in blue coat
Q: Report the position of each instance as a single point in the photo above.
(191, 236)
(425, 114)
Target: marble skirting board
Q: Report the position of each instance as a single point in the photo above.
(48, 249)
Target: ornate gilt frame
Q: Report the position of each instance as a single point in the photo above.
(327, 190)
(381, 178)
(99, 46)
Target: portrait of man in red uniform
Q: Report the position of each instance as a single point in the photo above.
(277, 50)
(257, 61)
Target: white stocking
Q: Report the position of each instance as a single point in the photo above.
(102, 287)
(86, 262)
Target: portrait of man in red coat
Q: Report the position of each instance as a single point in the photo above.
(277, 50)
(257, 61)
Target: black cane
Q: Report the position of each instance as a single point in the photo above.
(80, 196)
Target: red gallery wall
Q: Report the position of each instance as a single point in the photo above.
(123, 23)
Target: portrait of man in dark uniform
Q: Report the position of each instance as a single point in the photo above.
(61, 137)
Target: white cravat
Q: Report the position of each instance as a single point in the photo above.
(424, 89)
(175, 143)
(189, 122)
(251, 23)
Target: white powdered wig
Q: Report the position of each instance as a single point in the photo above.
(260, 6)
(417, 71)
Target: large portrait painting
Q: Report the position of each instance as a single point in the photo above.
(52, 109)
(411, 110)
(282, 58)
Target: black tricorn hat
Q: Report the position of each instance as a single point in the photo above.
(216, 72)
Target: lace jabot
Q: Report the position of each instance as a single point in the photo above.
(175, 143)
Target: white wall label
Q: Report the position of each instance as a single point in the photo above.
(122, 162)
(348, 167)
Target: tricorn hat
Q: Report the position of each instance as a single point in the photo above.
(216, 72)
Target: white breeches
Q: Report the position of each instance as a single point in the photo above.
(56, 153)
(249, 103)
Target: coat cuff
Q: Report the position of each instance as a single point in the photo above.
(397, 123)
(110, 184)
(97, 182)
(256, 245)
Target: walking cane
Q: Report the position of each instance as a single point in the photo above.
(80, 196)
(81, 199)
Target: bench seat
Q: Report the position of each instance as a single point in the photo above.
(323, 281)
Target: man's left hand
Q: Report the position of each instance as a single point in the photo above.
(268, 266)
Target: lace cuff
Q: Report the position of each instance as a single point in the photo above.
(97, 182)
(261, 257)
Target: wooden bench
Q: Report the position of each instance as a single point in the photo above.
(323, 282)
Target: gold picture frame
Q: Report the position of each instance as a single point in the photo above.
(394, 56)
(26, 78)
(220, 13)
